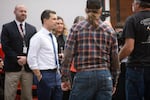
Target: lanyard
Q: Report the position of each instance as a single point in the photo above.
(22, 34)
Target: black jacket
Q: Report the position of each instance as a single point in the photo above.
(12, 45)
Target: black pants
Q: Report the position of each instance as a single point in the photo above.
(66, 95)
(147, 84)
(120, 91)
(2, 77)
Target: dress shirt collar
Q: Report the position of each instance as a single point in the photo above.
(18, 23)
(45, 31)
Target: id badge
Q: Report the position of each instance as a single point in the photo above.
(24, 49)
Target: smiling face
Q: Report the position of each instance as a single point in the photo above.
(20, 13)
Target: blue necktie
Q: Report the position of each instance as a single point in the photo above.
(54, 48)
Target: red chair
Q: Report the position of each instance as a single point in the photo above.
(1, 58)
(34, 95)
(34, 88)
(2, 74)
(2, 55)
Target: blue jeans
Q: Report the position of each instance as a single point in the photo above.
(92, 85)
(134, 84)
(49, 87)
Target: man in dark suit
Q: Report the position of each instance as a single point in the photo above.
(15, 39)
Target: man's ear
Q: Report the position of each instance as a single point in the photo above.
(86, 10)
(100, 11)
(44, 20)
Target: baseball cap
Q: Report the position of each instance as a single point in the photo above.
(93, 4)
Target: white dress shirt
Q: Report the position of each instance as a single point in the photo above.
(23, 26)
(41, 54)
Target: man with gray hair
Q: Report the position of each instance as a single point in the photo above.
(137, 47)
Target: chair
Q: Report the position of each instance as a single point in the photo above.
(34, 93)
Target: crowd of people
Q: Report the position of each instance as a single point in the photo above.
(91, 61)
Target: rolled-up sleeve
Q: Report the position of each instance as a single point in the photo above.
(32, 58)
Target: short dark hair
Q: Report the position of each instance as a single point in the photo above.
(46, 14)
(144, 3)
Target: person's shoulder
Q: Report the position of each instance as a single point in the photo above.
(131, 17)
(79, 26)
(37, 35)
(106, 27)
(9, 24)
(30, 25)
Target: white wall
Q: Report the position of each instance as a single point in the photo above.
(68, 9)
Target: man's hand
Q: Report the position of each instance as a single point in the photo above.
(114, 90)
(61, 56)
(66, 86)
(1, 63)
(37, 73)
(22, 60)
(39, 77)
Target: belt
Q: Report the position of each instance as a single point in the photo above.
(50, 70)
(92, 69)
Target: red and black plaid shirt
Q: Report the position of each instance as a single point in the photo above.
(90, 47)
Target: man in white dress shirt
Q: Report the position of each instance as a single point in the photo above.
(43, 59)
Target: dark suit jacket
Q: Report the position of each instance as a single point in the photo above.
(12, 45)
